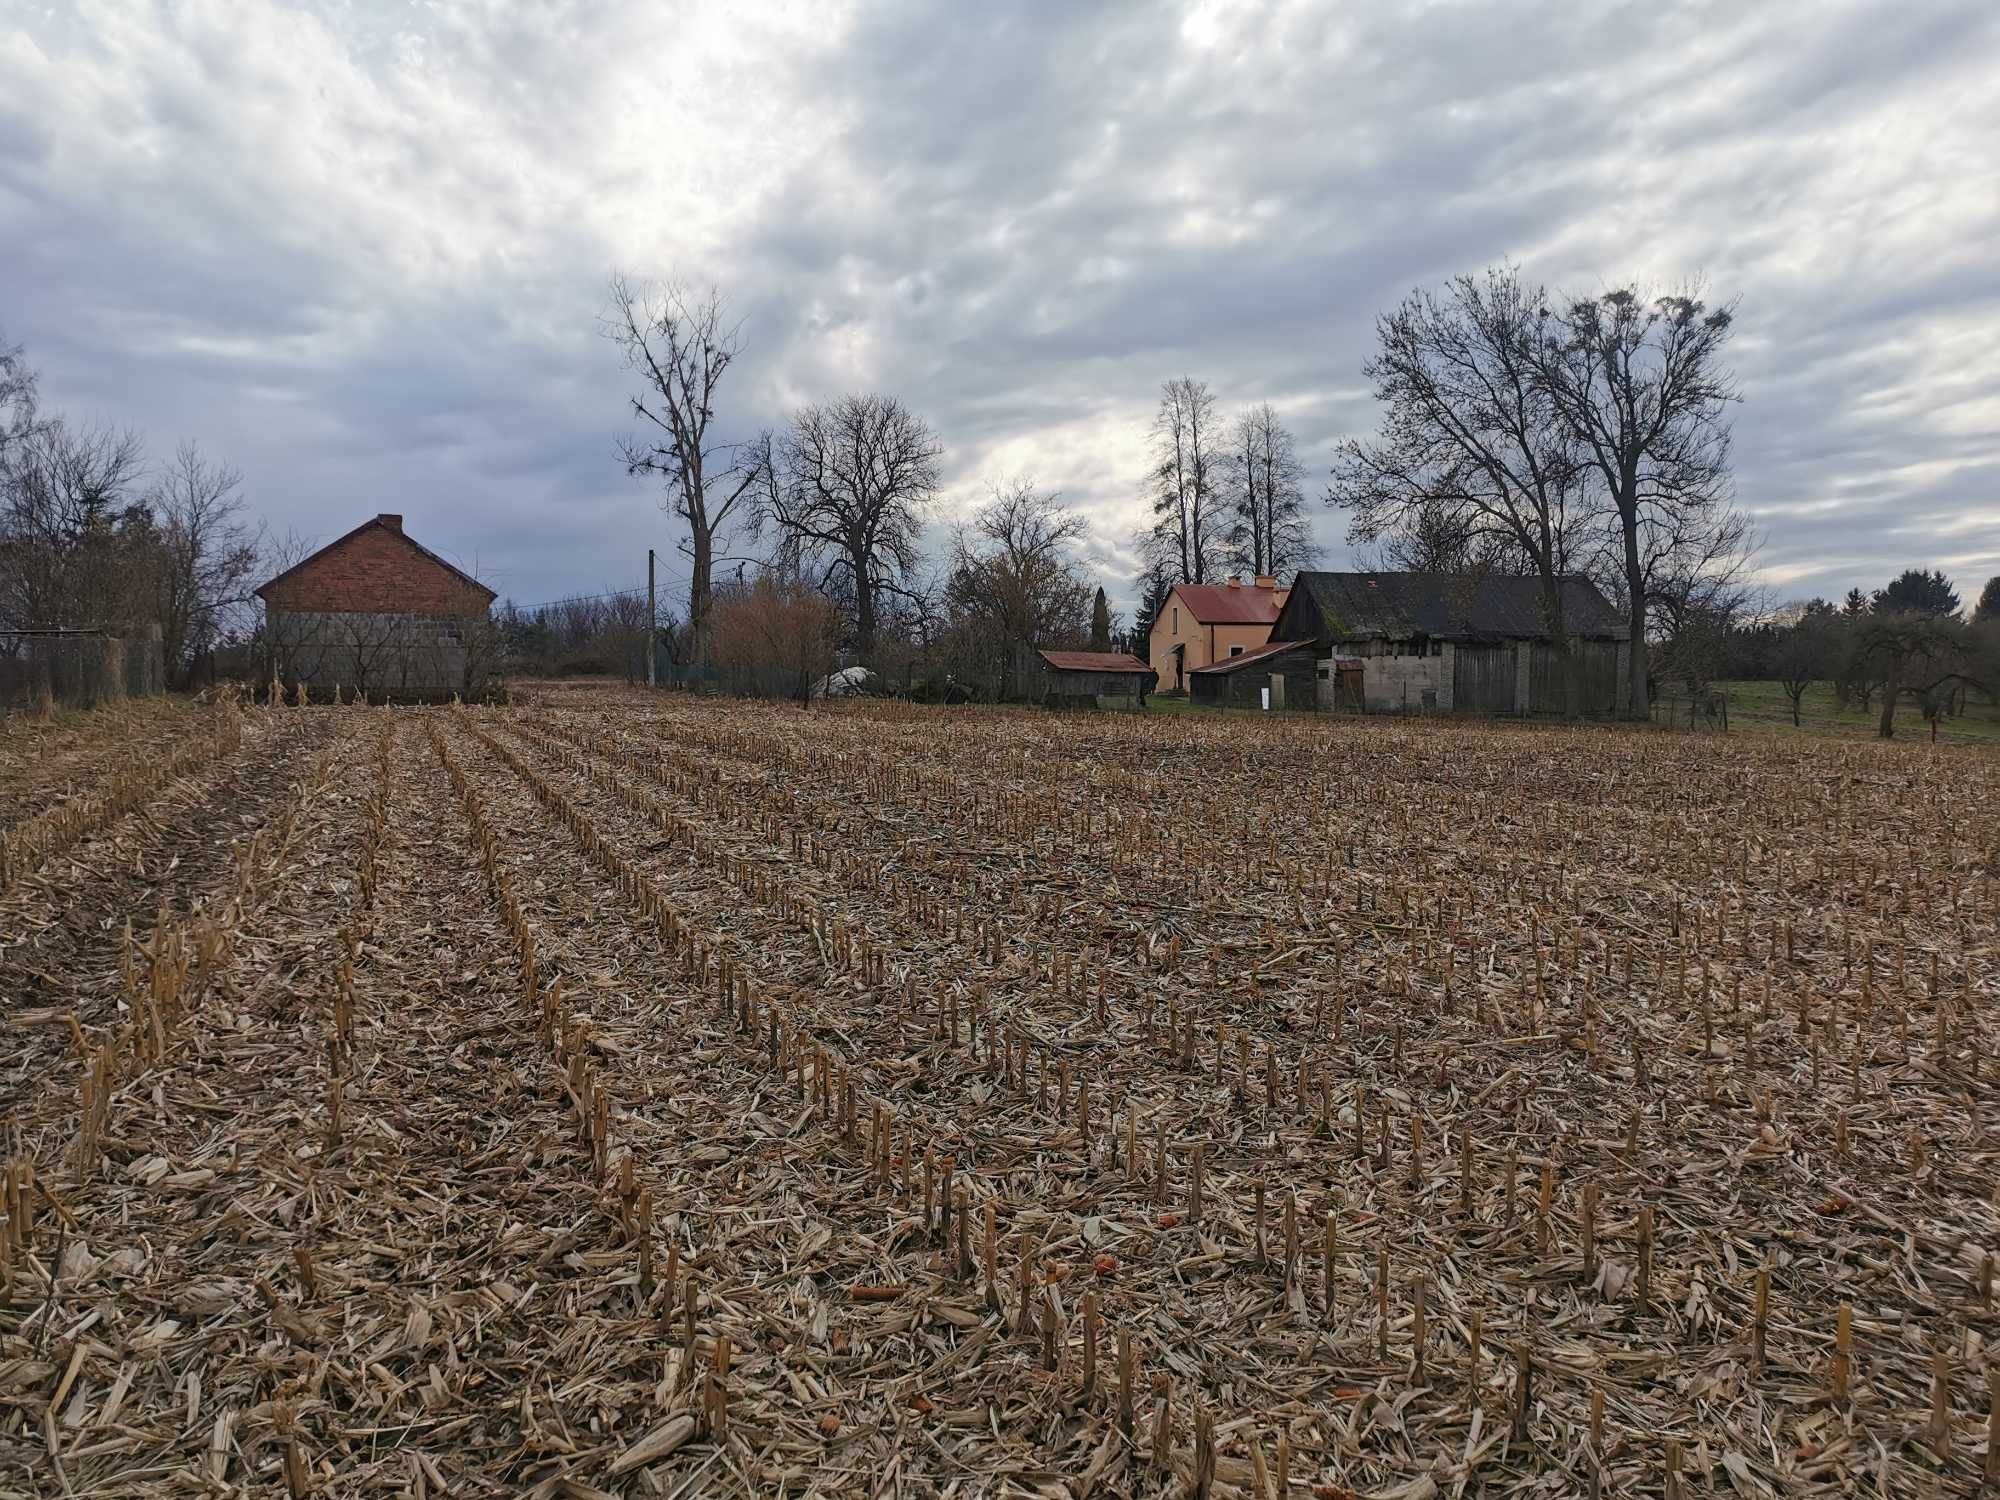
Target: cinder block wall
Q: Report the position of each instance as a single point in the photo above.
(1397, 684)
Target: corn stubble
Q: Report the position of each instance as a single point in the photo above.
(887, 1096)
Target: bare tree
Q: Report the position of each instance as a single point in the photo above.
(681, 347)
(208, 555)
(849, 483)
(75, 541)
(1639, 385)
(18, 403)
(1805, 651)
(1189, 528)
(1269, 532)
(1014, 573)
(1923, 656)
(1472, 461)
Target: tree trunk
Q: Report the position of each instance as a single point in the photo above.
(864, 611)
(1891, 686)
(1638, 704)
(701, 597)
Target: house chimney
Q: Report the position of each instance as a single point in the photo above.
(1266, 581)
(1236, 580)
(393, 522)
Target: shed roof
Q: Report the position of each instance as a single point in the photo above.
(1094, 661)
(1246, 658)
(393, 525)
(1478, 605)
(1219, 604)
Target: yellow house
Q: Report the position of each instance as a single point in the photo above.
(1202, 623)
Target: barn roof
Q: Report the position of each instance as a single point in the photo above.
(393, 524)
(1397, 606)
(1245, 658)
(1219, 604)
(1094, 661)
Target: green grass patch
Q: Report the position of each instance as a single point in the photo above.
(1765, 706)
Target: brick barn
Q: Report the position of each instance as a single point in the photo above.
(377, 612)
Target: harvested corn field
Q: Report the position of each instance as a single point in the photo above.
(634, 1096)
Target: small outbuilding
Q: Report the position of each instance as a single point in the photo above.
(1287, 670)
(1085, 679)
(379, 613)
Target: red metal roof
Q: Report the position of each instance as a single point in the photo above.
(1244, 658)
(1094, 661)
(1219, 604)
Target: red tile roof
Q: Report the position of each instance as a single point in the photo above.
(1219, 604)
(1244, 658)
(1094, 661)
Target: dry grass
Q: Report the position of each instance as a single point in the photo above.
(653, 1096)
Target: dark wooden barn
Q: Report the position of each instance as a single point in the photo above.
(1458, 643)
(1085, 679)
(1286, 668)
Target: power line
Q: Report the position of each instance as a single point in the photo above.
(528, 609)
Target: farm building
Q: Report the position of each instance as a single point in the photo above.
(1078, 679)
(1200, 623)
(1287, 669)
(1457, 643)
(376, 612)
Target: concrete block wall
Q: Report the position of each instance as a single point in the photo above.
(399, 655)
(1397, 684)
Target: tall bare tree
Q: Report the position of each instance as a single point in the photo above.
(849, 483)
(207, 555)
(681, 345)
(1269, 532)
(1639, 384)
(1472, 460)
(1190, 530)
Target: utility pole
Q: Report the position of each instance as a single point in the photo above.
(652, 624)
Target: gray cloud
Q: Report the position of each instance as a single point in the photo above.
(360, 249)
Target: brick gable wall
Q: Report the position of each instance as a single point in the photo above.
(376, 570)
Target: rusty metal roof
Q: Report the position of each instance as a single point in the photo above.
(1245, 658)
(1094, 661)
(1219, 604)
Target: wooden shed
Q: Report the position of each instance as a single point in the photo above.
(1285, 668)
(1459, 643)
(1085, 679)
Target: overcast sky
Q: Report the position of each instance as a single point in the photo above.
(359, 249)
